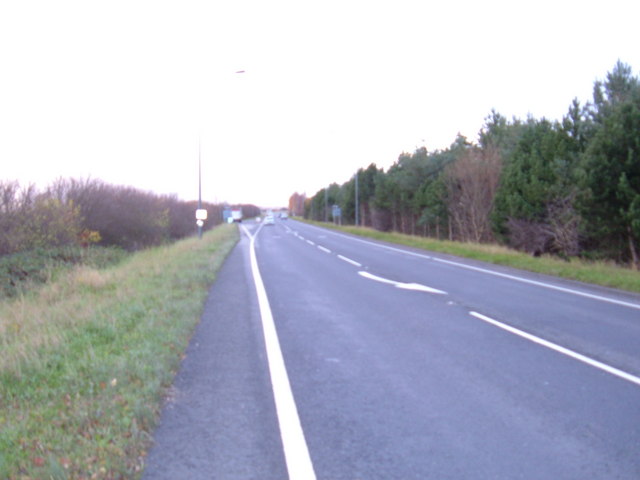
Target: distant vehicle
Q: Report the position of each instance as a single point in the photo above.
(269, 220)
(236, 215)
(284, 215)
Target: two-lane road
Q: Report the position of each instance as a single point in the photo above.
(404, 364)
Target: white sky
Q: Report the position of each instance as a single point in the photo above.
(122, 90)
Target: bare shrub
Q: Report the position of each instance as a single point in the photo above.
(532, 237)
(559, 234)
(564, 226)
(471, 182)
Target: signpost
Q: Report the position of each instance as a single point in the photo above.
(336, 213)
(201, 216)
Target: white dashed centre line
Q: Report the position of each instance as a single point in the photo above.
(348, 260)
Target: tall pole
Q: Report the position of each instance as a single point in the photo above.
(357, 223)
(326, 204)
(199, 186)
(201, 214)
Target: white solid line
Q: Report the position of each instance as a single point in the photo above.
(246, 231)
(405, 286)
(558, 348)
(348, 260)
(497, 274)
(542, 284)
(325, 250)
(296, 452)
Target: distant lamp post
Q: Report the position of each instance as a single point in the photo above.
(201, 213)
(326, 204)
(357, 208)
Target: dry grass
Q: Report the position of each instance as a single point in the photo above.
(34, 323)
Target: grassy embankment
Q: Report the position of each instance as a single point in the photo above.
(85, 360)
(599, 273)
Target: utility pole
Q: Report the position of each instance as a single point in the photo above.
(200, 223)
(357, 208)
(326, 204)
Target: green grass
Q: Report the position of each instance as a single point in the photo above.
(598, 273)
(87, 358)
(22, 271)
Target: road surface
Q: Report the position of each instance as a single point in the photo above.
(389, 362)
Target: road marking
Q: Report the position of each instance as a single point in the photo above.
(419, 288)
(542, 284)
(405, 286)
(497, 274)
(325, 250)
(348, 260)
(558, 348)
(310, 243)
(246, 230)
(296, 452)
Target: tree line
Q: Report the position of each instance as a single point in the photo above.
(569, 187)
(74, 212)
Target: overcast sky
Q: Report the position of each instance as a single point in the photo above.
(123, 91)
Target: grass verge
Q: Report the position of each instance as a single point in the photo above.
(86, 359)
(598, 273)
(24, 270)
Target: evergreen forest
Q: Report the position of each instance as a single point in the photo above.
(569, 187)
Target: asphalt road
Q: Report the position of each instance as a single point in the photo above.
(402, 364)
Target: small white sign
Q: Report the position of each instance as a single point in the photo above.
(201, 214)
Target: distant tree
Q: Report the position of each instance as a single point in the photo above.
(320, 207)
(611, 167)
(296, 204)
(50, 223)
(434, 218)
(500, 134)
(538, 175)
(367, 191)
(10, 216)
(29, 219)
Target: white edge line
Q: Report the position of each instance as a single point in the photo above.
(348, 260)
(558, 348)
(324, 249)
(296, 452)
(491, 272)
(542, 284)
